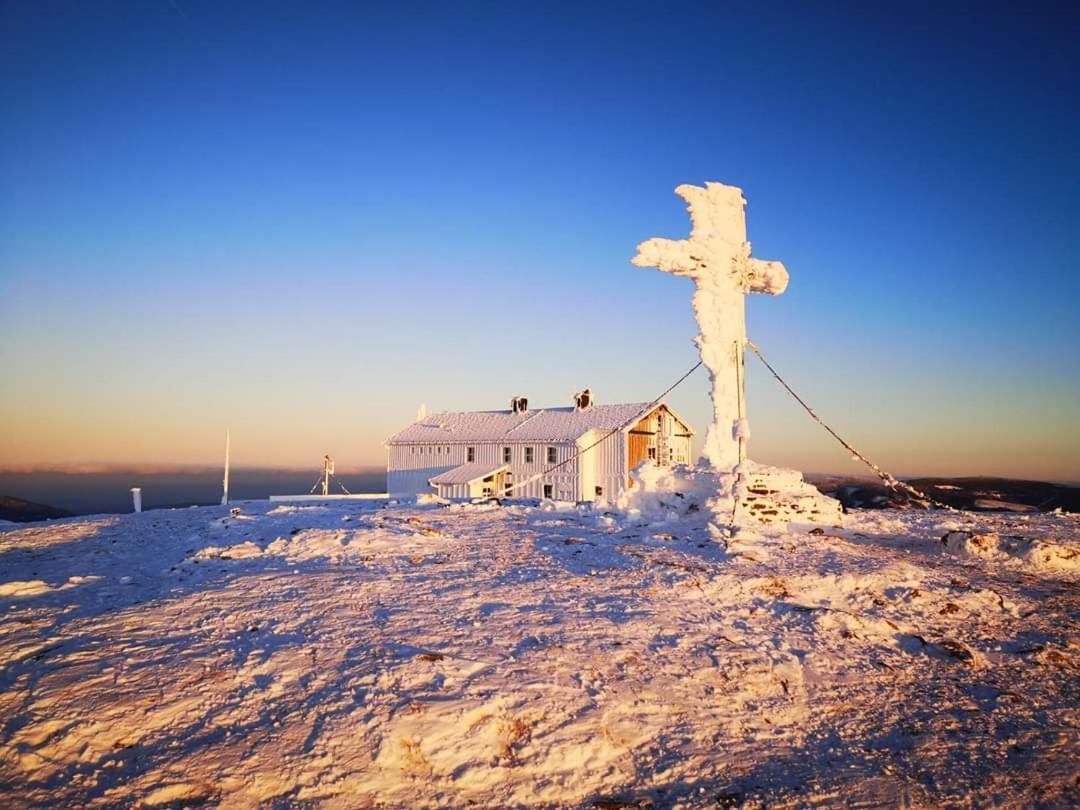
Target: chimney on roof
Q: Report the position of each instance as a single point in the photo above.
(519, 404)
(583, 400)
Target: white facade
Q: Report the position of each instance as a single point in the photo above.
(541, 453)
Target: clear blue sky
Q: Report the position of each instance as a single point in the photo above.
(303, 219)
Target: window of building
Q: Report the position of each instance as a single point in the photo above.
(599, 492)
(470, 454)
(506, 455)
(547, 490)
(551, 455)
(412, 451)
(528, 455)
(652, 452)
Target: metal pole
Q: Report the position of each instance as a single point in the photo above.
(740, 382)
(225, 483)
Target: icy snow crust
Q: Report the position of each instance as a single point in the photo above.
(353, 655)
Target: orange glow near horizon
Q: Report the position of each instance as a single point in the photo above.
(292, 429)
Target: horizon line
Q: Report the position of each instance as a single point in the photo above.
(100, 468)
(104, 468)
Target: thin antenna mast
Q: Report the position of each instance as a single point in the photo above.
(328, 470)
(225, 483)
(323, 481)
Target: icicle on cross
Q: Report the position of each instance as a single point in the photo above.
(717, 258)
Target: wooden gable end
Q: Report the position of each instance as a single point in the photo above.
(643, 435)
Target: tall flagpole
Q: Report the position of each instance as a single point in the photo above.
(225, 483)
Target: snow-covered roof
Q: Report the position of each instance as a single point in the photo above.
(539, 425)
(467, 473)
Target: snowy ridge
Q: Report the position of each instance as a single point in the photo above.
(357, 655)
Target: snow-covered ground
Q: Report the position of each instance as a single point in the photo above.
(353, 655)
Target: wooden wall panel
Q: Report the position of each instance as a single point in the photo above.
(639, 449)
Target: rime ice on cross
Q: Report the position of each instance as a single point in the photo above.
(717, 258)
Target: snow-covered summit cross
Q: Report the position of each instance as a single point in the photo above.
(717, 257)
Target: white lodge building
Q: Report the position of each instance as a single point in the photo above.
(479, 453)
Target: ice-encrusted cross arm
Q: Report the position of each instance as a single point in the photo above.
(670, 255)
(717, 257)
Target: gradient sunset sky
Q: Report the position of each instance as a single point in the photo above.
(301, 220)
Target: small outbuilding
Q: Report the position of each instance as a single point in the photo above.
(472, 480)
(535, 453)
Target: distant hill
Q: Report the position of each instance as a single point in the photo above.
(18, 510)
(975, 494)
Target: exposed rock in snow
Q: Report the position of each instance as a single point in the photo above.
(777, 495)
(993, 546)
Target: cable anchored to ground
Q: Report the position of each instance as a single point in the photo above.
(319, 480)
(890, 481)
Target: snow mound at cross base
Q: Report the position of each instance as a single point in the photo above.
(993, 546)
(755, 494)
(665, 494)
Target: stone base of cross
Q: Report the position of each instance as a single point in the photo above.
(717, 258)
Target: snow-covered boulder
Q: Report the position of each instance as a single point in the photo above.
(994, 546)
